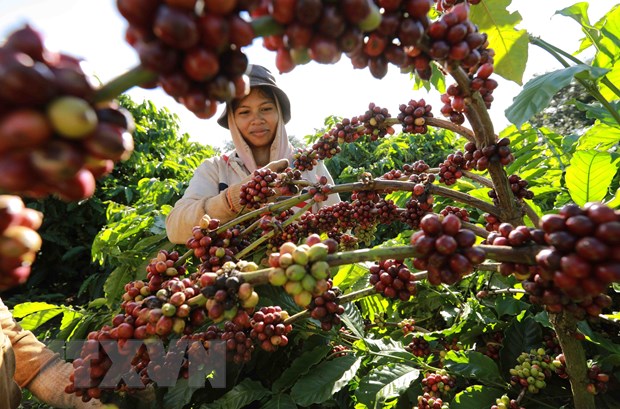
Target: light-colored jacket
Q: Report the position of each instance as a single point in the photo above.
(25, 362)
(218, 179)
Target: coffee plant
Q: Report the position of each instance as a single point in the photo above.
(484, 248)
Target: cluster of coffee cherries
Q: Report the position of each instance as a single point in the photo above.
(452, 168)
(257, 191)
(269, 329)
(504, 402)
(438, 384)
(444, 249)
(419, 347)
(302, 270)
(412, 116)
(326, 309)
(598, 381)
(213, 248)
(421, 184)
(491, 345)
(226, 292)
(321, 190)
(583, 258)
(519, 236)
(393, 279)
(54, 138)
(197, 56)
(407, 325)
(339, 351)
(160, 268)
(533, 370)
(415, 211)
(347, 130)
(428, 401)
(91, 367)
(19, 240)
(316, 30)
(327, 146)
(479, 159)
(518, 187)
(239, 344)
(347, 242)
(374, 120)
(305, 159)
(459, 212)
(395, 40)
(491, 222)
(386, 210)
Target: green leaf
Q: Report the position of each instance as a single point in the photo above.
(494, 14)
(114, 286)
(589, 175)
(521, 336)
(598, 339)
(35, 320)
(385, 382)
(244, 393)
(510, 45)
(596, 111)
(352, 319)
(325, 380)
(472, 364)
(280, 401)
(509, 306)
(512, 53)
(600, 137)
(300, 366)
(27, 308)
(179, 395)
(476, 397)
(537, 93)
(348, 275)
(614, 202)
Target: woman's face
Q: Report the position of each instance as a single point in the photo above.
(256, 117)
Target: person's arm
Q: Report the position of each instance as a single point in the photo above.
(38, 368)
(202, 197)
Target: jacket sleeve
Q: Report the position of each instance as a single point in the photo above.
(38, 368)
(202, 197)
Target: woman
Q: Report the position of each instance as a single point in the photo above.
(25, 362)
(256, 123)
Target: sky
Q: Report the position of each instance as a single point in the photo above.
(94, 30)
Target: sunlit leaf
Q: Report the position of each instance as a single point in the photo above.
(600, 137)
(614, 202)
(589, 175)
(510, 45)
(476, 397)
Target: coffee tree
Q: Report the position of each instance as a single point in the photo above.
(483, 296)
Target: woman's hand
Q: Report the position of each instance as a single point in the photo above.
(277, 165)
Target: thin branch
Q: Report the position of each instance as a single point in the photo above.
(451, 126)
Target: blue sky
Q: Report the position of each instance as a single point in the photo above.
(94, 30)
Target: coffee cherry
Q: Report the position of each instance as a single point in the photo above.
(412, 116)
(445, 249)
(393, 279)
(268, 328)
